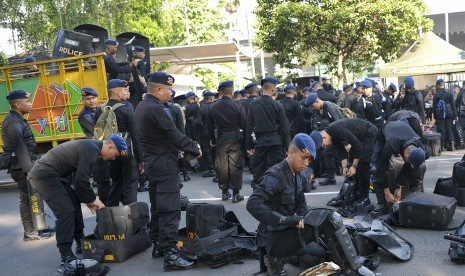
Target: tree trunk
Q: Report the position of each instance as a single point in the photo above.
(340, 70)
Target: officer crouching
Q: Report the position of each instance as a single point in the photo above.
(287, 224)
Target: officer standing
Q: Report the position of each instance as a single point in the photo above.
(123, 173)
(190, 112)
(19, 141)
(293, 111)
(48, 178)
(444, 113)
(228, 117)
(352, 142)
(326, 86)
(203, 123)
(112, 68)
(87, 114)
(252, 91)
(139, 76)
(411, 99)
(287, 224)
(161, 141)
(389, 95)
(266, 118)
(307, 111)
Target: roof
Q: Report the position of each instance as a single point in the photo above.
(432, 55)
(204, 53)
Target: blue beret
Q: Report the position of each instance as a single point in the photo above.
(373, 82)
(120, 144)
(88, 91)
(311, 98)
(303, 141)
(439, 81)
(338, 92)
(366, 83)
(408, 81)
(139, 49)
(17, 94)
(417, 157)
(269, 80)
(346, 87)
(225, 84)
(237, 92)
(173, 93)
(393, 87)
(111, 42)
(314, 83)
(208, 93)
(29, 59)
(242, 91)
(161, 77)
(290, 87)
(317, 139)
(189, 94)
(115, 83)
(250, 85)
(306, 89)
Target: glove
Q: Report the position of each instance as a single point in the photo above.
(290, 220)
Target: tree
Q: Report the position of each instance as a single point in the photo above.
(344, 34)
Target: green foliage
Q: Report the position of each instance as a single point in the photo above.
(3, 59)
(350, 34)
(208, 76)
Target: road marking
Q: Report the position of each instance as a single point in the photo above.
(246, 197)
(444, 159)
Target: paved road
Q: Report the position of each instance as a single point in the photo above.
(42, 258)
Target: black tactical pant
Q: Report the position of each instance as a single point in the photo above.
(101, 173)
(229, 163)
(444, 127)
(163, 175)
(66, 207)
(207, 151)
(24, 202)
(124, 176)
(264, 158)
(363, 169)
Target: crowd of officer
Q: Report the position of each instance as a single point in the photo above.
(355, 132)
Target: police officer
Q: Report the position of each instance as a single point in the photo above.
(190, 113)
(326, 86)
(352, 142)
(330, 113)
(267, 119)
(460, 106)
(111, 66)
(400, 139)
(139, 76)
(444, 113)
(411, 99)
(228, 117)
(323, 94)
(48, 178)
(123, 171)
(32, 70)
(307, 111)
(293, 111)
(19, 142)
(203, 123)
(161, 141)
(389, 96)
(87, 114)
(252, 90)
(287, 224)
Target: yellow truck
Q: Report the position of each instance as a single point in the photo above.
(55, 87)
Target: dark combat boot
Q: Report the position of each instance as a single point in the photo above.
(174, 262)
(275, 266)
(157, 251)
(237, 197)
(78, 239)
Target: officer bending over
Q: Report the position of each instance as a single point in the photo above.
(287, 224)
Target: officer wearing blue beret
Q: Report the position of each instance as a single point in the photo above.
(138, 79)
(252, 91)
(190, 113)
(286, 222)
(293, 111)
(87, 114)
(162, 141)
(203, 122)
(18, 139)
(111, 66)
(410, 99)
(31, 69)
(229, 118)
(326, 86)
(267, 120)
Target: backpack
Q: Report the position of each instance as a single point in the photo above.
(347, 112)
(106, 124)
(441, 107)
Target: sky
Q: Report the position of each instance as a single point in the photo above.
(435, 6)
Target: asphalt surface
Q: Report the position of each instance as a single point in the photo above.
(42, 257)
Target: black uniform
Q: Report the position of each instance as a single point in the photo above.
(412, 101)
(398, 136)
(124, 170)
(203, 123)
(324, 95)
(266, 118)
(361, 135)
(445, 119)
(49, 177)
(308, 114)
(228, 117)
(327, 87)
(247, 102)
(460, 107)
(136, 87)
(280, 194)
(191, 116)
(17, 138)
(113, 68)
(87, 122)
(294, 115)
(161, 141)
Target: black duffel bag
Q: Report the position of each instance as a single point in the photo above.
(458, 174)
(202, 219)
